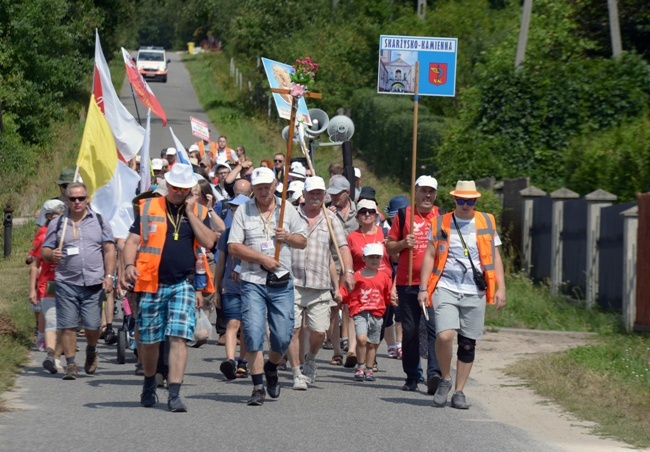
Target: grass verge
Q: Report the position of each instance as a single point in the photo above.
(607, 383)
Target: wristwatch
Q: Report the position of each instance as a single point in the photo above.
(350, 271)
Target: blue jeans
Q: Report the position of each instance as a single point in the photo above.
(258, 302)
(411, 312)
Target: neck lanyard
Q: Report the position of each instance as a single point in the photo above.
(266, 222)
(176, 222)
(465, 249)
(363, 234)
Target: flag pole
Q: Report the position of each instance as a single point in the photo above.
(414, 164)
(135, 103)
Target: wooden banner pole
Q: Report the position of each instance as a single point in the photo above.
(414, 165)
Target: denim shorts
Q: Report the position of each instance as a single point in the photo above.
(231, 305)
(168, 312)
(259, 302)
(74, 301)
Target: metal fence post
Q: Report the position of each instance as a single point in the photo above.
(8, 224)
(528, 194)
(596, 200)
(630, 243)
(558, 196)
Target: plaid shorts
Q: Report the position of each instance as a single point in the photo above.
(168, 312)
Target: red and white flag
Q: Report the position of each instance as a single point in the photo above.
(128, 134)
(141, 87)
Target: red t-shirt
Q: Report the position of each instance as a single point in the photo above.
(422, 225)
(47, 268)
(357, 240)
(369, 294)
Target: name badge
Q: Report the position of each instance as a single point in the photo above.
(73, 250)
(237, 269)
(267, 245)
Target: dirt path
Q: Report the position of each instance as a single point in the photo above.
(525, 409)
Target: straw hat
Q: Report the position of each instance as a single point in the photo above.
(465, 189)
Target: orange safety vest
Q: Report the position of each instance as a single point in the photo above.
(485, 233)
(213, 148)
(153, 212)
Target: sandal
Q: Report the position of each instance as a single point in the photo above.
(344, 344)
(337, 360)
(350, 360)
(328, 345)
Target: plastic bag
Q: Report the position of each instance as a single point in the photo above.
(203, 328)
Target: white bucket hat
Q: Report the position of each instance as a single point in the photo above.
(181, 176)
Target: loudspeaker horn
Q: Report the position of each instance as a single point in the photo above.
(340, 128)
(285, 134)
(319, 122)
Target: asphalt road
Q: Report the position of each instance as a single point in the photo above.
(102, 412)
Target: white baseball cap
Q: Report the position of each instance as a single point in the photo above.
(373, 249)
(171, 151)
(262, 175)
(193, 148)
(314, 183)
(427, 181)
(366, 204)
(156, 164)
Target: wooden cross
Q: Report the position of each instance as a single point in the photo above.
(287, 160)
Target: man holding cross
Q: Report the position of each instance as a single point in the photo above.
(258, 227)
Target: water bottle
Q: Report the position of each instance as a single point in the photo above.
(200, 277)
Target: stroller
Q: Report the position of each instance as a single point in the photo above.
(126, 333)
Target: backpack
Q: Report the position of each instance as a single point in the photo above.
(60, 221)
(401, 214)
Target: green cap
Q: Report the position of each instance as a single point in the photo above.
(66, 177)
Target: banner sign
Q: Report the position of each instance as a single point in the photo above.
(437, 59)
(278, 75)
(200, 129)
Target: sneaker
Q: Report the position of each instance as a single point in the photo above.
(160, 380)
(432, 384)
(272, 383)
(148, 398)
(410, 385)
(110, 337)
(176, 405)
(228, 369)
(360, 374)
(40, 345)
(242, 370)
(375, 367)
(458, 401)
(92, 359)
(440, 397)
(70, 372)
(257, 398)
(370, 375)
(49, 365)
(309, 370)
(57, 365)
(300, 383)
(398, 351)
(139, 369)
(392, 353)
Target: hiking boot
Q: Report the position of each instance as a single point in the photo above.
(309, 370)
(228, 369)
(92, 359)
(50, 365)
(176, 405)
(360, 374)
(148, 398)
(370, 375)
(300, 383)
(410, 385)
(57, 365)
(432, 384)
(257, 399)
(440, 397)
(70, 372)
(458, 401)
(110, 337)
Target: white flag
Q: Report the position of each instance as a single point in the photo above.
(145, 168)
(180, 149)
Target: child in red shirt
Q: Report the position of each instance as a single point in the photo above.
(367, 305)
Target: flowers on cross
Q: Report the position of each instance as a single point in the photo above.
(303, 76)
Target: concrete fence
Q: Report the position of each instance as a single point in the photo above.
(587, 247)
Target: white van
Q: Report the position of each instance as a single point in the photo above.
(152, 63)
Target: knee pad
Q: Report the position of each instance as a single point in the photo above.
(466, 349)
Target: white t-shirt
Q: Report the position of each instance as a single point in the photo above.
(457, 275)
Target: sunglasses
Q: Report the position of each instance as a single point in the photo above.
(177, 189)
(367, 212)
(278, 161)
(77, 198)
(462, 202)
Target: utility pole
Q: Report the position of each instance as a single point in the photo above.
(614, 29)
(422, 9)
(523, 33)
